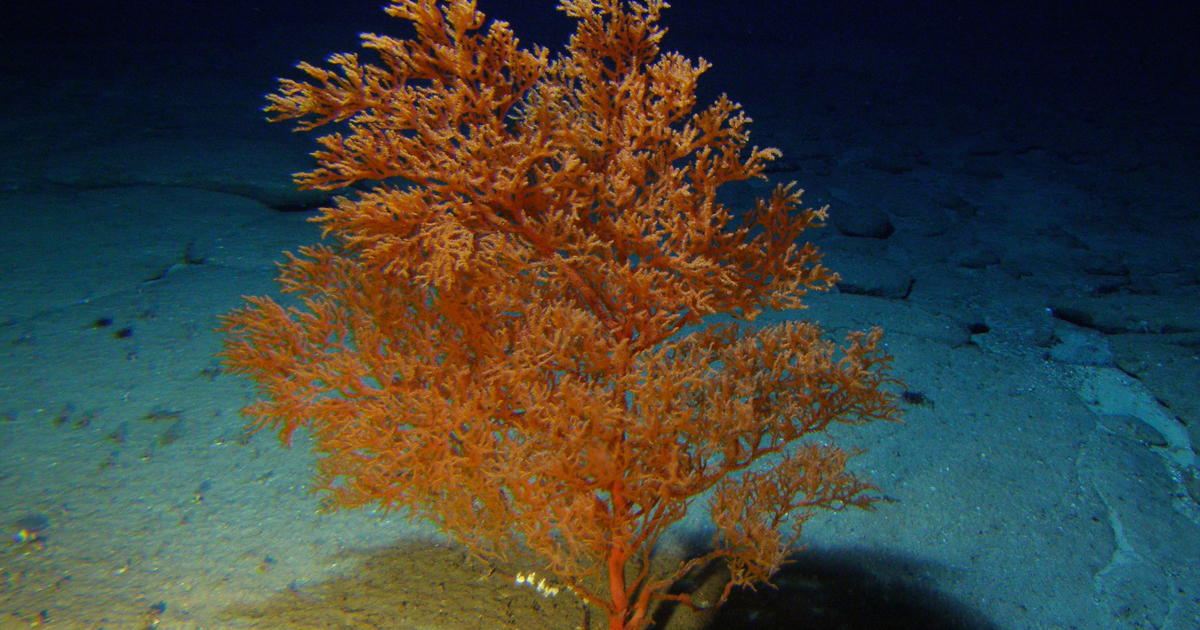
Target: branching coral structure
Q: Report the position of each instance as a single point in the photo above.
(514, 328)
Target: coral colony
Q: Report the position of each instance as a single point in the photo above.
(508, 329)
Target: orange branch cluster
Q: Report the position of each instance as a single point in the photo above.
(507, 332)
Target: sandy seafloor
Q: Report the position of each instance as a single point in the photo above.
(1032, 254)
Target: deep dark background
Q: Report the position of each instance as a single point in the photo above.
(1114, 50)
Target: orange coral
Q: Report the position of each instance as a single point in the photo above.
(507, 334)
